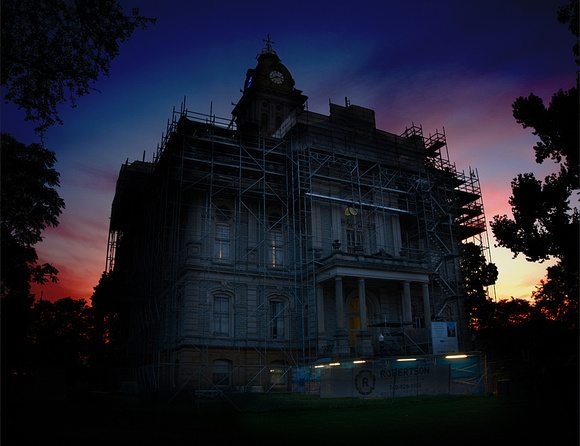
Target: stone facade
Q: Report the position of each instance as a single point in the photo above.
(243, 250)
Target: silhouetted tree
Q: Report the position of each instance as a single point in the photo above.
(51, 52)
(520, 332)
(54, 51)
(557, 296)
(507, 312)
(30, 203)
(544, 225)
(569, 15)
(478, 275)
(108, 314)
(60, 332)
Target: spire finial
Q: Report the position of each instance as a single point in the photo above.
(269, 43)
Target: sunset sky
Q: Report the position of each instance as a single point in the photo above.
(455, 65)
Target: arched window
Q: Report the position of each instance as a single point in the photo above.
(223, 232)
(354, 231)
(353, 314)
(277, 318)
(275, 248)
(275, 241)
(221, 316)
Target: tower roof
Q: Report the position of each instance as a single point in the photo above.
(271, 81)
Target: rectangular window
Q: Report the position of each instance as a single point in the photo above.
(222, 241)
(221, 316)
(275, 248)
(277, 318)
(354, 240)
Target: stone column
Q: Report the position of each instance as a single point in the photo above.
(426, 305)
(320, 309)
(341, 347)
(339, 303)
(362, 303)
(364, 346)
(407, 313)
(322, 341)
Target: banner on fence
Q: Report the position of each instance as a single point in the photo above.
(364, 382)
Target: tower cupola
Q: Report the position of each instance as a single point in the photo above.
(269, 95)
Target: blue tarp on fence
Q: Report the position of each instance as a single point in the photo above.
(393, 377)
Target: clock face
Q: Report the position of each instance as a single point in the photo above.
(276, 77)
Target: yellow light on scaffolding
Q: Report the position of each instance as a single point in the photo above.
(333, 364)
(350, 211)
(358, 362)
(406, 359)
(320, 366)
(455, 356)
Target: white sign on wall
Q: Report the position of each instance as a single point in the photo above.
(444, 337)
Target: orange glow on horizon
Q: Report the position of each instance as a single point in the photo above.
(75, 289)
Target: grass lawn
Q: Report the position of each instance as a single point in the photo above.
(293, 419)
(441, 420)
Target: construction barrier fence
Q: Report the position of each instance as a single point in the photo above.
(460, 374)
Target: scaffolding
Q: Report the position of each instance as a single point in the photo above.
(225, 247)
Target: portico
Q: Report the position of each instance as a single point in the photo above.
(351, 287)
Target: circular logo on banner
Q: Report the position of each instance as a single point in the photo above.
(364, 382)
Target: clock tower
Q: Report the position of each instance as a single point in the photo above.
(269, 96)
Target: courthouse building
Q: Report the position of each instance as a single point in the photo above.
(282, 237)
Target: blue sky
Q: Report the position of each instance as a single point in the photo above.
(449, 64)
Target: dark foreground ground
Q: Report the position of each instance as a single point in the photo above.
(290, 419)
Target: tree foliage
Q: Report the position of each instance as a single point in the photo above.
(61, 332)
(30, 203)
(478, 275)
(569, 15)
(555, 126)
(55, 50)
(544, 224)
(557, 296)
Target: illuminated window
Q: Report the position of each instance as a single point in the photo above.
(275, 248)
(277, 319)
(222, 241)
(221, 316)
(223, 232)
(275, 241)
